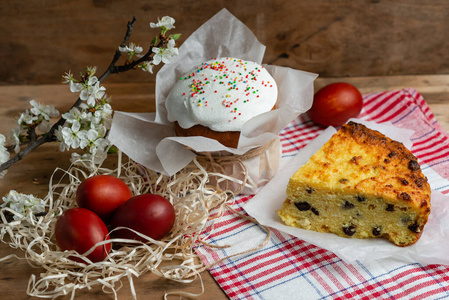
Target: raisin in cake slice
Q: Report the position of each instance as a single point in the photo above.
(360, 184)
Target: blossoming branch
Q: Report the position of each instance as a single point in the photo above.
(86, 124)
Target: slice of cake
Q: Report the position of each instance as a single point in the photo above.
(360, 184)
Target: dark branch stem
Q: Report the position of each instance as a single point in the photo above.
(112, 69)
(118, 54)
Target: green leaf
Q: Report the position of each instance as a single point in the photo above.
(112, 150)
(175, 36)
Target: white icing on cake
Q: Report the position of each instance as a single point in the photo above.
(221, 94)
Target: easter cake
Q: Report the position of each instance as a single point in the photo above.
(217, 97)
(360, 184)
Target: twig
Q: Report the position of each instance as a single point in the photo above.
(112, 69)
(118, 54)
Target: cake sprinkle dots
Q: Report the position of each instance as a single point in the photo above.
(241, 75)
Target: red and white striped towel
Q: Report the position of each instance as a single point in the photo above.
(290, 268)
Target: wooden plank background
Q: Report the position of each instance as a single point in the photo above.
(42, 39)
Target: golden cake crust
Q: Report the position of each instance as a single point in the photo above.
(226, 138)
(400, 175)
(369, 180)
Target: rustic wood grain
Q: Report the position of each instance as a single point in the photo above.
(42, 39)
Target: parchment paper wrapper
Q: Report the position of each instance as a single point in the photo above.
(431, 248)
(149, 138)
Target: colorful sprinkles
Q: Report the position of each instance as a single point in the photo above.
(243, 78)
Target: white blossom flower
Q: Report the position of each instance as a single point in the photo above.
(88, 88)
(68, 77)
(95, 118)
(100, 151)
(76, 126)
(87, 137)
(39, 114)
(75, 87)
(106, 110)
(86, 125)
(92, 91)
(147, 67)
(4, 153)
(14, 138)
(45, 112)
(26, 118)
(96, 155)
(23, 204)
(106, 115)
(86, 129)
(102, 144)
(166, 23)
(93, 80)
(132, 49)
(165, 54)
(60, 138)
(102, 130)
(96, 92)
(101, 116)
(72, 115)
(68, 136)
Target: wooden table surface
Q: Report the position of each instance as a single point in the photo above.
(31, 175)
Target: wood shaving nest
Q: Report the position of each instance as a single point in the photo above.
(198, 206)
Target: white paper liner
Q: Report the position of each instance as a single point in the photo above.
(431, 248)
(149, 138)
(197, 205)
